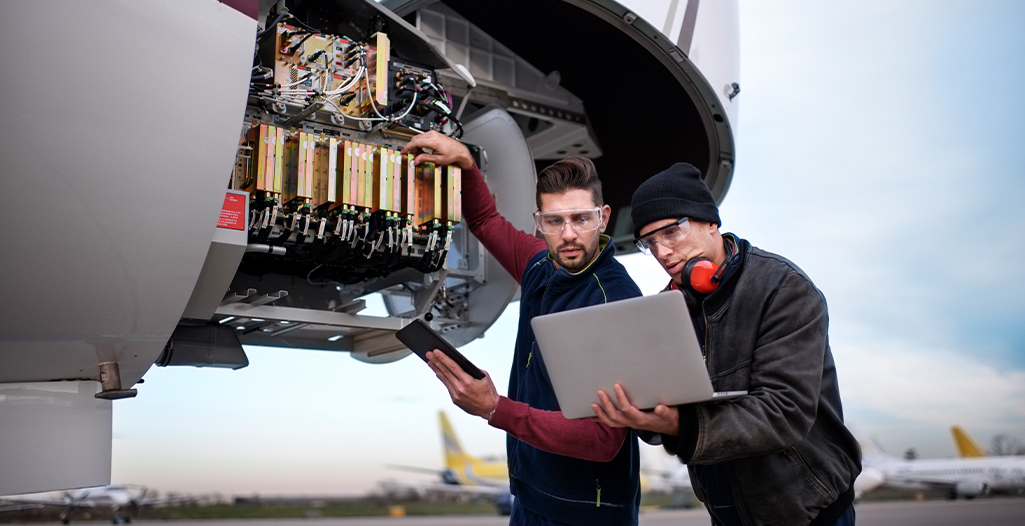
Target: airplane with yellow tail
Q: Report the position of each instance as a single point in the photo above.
(463, 474)
(967, 478)
(465, 469)
(967, 447)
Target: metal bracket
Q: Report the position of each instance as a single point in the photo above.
(301, 116)
(267, 298)
(110, 380)
(312, 317)
(423, 299)
(236, 297)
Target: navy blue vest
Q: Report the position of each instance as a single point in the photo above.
(562, 488)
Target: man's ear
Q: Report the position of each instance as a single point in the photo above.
(606, 214)
(711, 227)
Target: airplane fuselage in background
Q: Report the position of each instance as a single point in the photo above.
(962, 477)
(123, 501)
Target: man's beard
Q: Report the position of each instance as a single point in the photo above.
(577, 264)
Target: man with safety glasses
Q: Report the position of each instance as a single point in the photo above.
(781, 454)
(561, 471)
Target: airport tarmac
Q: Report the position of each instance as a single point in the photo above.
(985, 512)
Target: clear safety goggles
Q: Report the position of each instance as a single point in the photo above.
(580, 220)
(668, 236)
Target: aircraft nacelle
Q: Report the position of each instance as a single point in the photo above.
(188, 197)
(970, 488)
(869, 479)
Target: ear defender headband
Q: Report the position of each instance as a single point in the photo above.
(703, 276)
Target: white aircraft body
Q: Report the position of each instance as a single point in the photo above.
(160, 212)
(869, 479)
(123, 501)
(677, 482)
(674, 481)
(959, 477)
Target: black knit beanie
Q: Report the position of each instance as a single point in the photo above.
(676, 192)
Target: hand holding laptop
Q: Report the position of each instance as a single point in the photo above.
(645, 344)
(662, 419)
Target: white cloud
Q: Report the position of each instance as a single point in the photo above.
(907, 383)
(867, 160)
(908, 390)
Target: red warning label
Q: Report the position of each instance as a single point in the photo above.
(233, 213)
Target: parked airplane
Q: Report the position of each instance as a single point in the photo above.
(959, 477)
(967, 447)
(869, 479)
(180, 195)
(463, 473)
(123, 501)
(675, 481)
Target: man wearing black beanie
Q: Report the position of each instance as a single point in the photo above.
(779, 455)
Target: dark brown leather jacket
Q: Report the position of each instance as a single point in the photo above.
(784, 446)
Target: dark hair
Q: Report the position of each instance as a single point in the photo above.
(571, 173)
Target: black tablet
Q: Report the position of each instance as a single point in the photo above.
(421, 339)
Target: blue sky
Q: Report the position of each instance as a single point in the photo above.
(880, 147)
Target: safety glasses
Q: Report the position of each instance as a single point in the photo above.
(668, 236)
(580, 220)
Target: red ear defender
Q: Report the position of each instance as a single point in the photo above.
(702, 275)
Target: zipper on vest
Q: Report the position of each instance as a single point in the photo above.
(598, 498)
(704, 348)
(529, 356)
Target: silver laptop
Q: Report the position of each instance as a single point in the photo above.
(645, 344)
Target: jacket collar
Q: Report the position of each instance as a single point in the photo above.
(721, 295)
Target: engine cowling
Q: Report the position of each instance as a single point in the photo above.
(869, 479)
(971, 488)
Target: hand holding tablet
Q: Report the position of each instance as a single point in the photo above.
(421, 339)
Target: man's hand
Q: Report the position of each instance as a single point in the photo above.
(663, 419)
(446, 150)
(477, 397)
